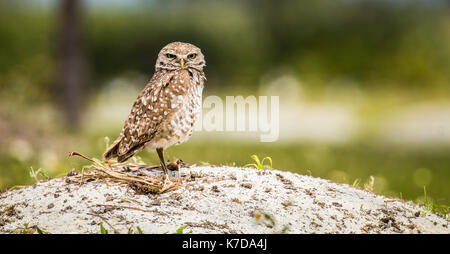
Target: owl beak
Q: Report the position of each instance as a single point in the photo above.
(182, 63)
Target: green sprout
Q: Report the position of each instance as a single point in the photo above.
(260, 164)
(180, 231)
(38, 172)
(103, 230)
(139, 230)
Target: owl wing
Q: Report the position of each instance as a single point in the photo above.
(155, 104)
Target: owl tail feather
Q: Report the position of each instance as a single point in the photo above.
(113, 150)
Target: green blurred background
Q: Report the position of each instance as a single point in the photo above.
(364, 85)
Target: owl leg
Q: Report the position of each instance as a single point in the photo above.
(163, 163)
(167, 184)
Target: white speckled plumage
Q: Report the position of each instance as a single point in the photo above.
(165, 111)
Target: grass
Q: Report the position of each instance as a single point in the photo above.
(430, 205)
(367, 186)
(35, 174)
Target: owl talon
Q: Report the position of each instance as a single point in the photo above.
(166, 178)
(168, 185)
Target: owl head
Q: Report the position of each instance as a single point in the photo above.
(180, 55)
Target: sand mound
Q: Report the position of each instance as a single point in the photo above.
(211, 200)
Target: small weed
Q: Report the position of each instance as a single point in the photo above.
(38, 172)
(139, 230)
(265, 219)
(285, 229)
(356, 183)
(363, 210)
(39, 230)
(180, 231)
(369, 186)
(269, 218)
(431, 206)
(26, 229)
(103, 230)
(260, 164)
(423, 213)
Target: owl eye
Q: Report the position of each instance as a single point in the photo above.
(171, 56)
(192, 56)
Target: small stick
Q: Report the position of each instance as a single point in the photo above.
(82, 156)
(134, 208)
(130, 199)
(120, 176)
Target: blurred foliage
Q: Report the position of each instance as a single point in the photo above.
(383, 48)
(377, 43)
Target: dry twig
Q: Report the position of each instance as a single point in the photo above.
(118, 173)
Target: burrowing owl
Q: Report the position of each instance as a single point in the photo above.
(165, 111)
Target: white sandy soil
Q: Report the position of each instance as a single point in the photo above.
(214, 200)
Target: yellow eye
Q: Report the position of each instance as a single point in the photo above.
(192, 56)
(170, 56)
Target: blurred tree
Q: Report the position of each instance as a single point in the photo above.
(71, 64)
